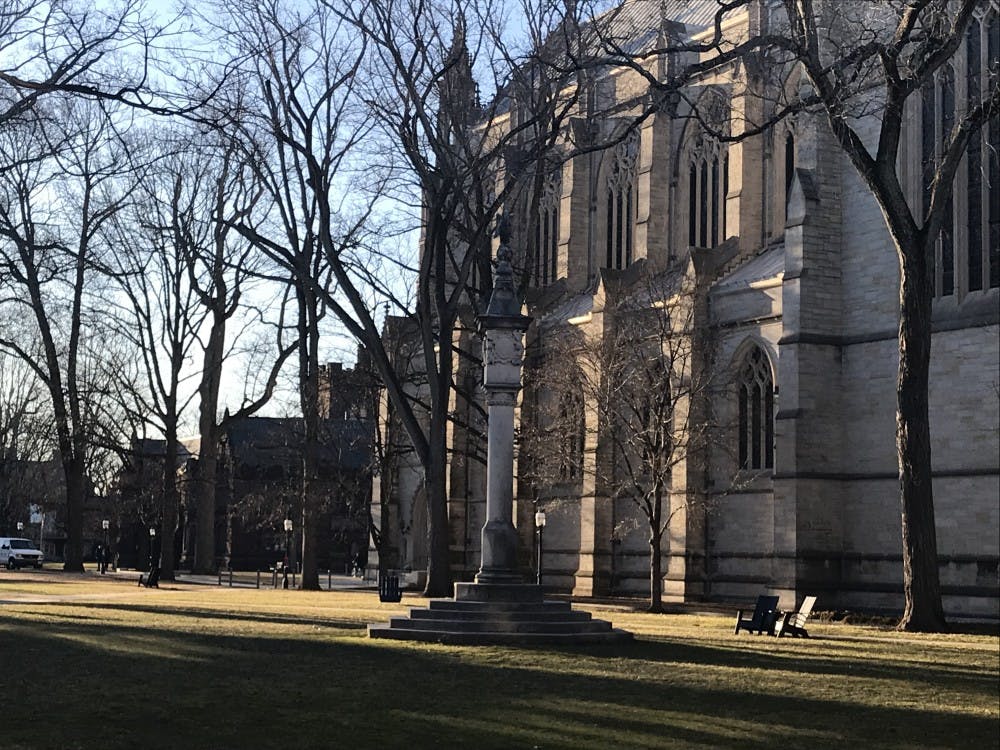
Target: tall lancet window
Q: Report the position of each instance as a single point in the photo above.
(547, 232)
(708, 183)
(756, 412)
(966, 257)
(982, 183)
(621, 202)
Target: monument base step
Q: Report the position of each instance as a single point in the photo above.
(492, 638)
(501, 614)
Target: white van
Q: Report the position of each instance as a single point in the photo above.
(19, 553)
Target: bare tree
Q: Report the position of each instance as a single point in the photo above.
(25, 434)
(902, 52)
(296, 70)
(222, 269)
(870, 62)
(48, 249)
(160, 315)
(102, 54)
(624, 402)
(465, 160)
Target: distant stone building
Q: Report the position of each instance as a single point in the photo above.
(260, 484)
(797, 300)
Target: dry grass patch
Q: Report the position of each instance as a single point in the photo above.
(108, 665)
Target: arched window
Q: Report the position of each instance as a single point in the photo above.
(572, 425)
(707, 190)
(782, 170)
(621, 202)
(946, 98)
(725, 193)
(974, 158)
(547, 232)
(992, 136)
(693, 206)
(789, 163)
(967, 255)
(982, 184)
(756, 412)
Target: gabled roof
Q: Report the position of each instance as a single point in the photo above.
(263, 442)
(768, 265)
(635, 24)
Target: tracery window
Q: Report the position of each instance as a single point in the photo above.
(756, 412)
(982, 184)
(621, 198)
(547, 232)
(573, 428)
(967, 255)
(708, 183)
(789, 163)
(783, 161)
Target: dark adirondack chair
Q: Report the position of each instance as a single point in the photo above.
(764, 616)
(794, 623)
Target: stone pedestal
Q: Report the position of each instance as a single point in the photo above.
(499, 607)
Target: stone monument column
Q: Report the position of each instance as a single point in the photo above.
(503, 328)
(499, 607)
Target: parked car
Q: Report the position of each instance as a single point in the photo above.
(19, 553)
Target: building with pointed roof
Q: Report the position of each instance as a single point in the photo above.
(794, 297)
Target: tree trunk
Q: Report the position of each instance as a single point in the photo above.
(655, 573)
(204, 546)
(921, 582)
(168, 511)
(436, 473)
(309, 400)
(208, 453)
(76, 495)
(310, 519)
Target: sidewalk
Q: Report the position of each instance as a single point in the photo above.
(248, 579)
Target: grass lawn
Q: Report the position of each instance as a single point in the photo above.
(103, 664)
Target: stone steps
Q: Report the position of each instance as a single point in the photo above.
(502, 626)
(465, 638)
(501, 614)
(521, 615)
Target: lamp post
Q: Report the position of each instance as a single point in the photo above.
(105, 524)
(152, 546)
(288, 551)
(539, 528)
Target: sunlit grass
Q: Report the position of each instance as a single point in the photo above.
(105, 664)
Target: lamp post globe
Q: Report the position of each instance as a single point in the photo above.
(105, 553)
(540, 527)
(288, 551)
(20, 526)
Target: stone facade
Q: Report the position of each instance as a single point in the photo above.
(791, 259)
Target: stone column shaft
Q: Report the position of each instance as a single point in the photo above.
(499, 563)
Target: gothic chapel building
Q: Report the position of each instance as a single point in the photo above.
(795, 300)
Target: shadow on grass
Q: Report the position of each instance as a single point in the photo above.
(108, 685)
(172, 610)
(789, 656)
(34, 578)
(748, 653)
